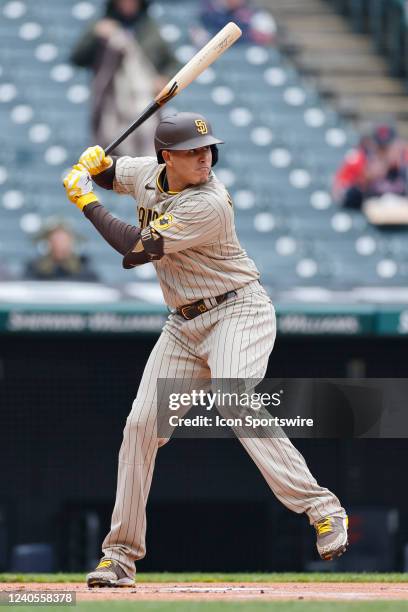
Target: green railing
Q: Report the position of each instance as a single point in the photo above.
(387, 21)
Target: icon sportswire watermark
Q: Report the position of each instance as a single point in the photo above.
(297, 408)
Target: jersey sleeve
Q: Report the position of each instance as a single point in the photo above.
(191, 223)
(129, 171)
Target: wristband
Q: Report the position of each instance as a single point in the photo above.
(85, 199)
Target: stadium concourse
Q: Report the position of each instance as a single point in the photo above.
(283, 144)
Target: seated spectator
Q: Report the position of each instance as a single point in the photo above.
(257, 25)
(131, 63)
(377, 168)
(60, 262)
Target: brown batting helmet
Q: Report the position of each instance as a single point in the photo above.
(184, 131)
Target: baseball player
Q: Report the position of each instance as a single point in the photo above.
(221, 326)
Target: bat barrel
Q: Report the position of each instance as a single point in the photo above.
(204, 58)
(222, 41)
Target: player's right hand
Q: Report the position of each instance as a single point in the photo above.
(95, 160)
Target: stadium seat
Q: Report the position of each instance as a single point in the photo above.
(282, 146)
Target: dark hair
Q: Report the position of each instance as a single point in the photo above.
(384, 134)
(113, 13)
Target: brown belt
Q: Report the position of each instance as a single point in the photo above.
(190, 311)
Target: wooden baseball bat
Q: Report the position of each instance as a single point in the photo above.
(201, 60)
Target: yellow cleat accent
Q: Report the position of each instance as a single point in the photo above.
(104, 564)
(324, 526)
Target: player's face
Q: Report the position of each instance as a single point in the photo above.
(191, 167)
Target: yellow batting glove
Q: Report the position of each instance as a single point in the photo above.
(95, 160)
(78, 185)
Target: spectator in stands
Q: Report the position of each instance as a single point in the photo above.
(257, 25)
(61, 262)
(378, 167)
(131, 63)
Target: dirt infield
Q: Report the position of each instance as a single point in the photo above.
(224, 591)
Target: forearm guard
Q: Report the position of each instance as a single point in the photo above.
(148, 247)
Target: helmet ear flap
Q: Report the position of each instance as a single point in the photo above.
(214, 151)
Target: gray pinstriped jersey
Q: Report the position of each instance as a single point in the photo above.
(202, 255)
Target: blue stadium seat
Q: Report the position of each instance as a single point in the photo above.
(282, 146)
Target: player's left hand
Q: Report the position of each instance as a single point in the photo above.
(95, 160)
(78, 185)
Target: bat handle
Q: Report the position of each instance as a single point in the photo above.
(148, 112)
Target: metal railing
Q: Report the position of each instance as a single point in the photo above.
(387, 21)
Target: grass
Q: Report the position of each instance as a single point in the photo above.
(190, 606)
(208, 578)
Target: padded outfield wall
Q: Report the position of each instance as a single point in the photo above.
(64, 400)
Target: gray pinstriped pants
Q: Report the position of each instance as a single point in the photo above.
(233, 340)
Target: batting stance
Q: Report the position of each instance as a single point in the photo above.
(221, 326)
